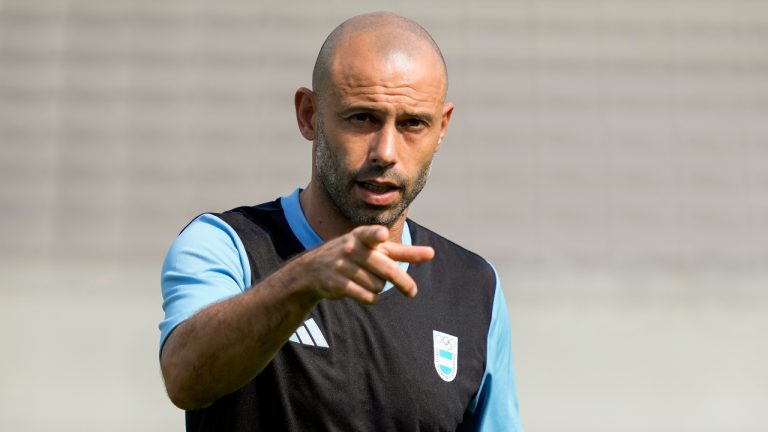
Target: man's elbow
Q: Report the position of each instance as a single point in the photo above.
(181, 393)
(186, 401)
(179, 384)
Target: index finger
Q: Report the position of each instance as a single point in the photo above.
(404, 253)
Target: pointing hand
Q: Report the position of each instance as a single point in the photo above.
(358, 264)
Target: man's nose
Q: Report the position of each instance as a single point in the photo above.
(384, 147)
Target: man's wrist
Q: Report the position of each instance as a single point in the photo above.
(295, 280)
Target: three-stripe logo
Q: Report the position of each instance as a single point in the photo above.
(309, 334)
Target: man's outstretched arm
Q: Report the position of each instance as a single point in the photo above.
(225, 345)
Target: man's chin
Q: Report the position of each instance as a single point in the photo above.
(376, 215)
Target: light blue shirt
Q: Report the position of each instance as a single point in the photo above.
(207, 263)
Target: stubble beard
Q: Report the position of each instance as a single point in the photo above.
(339, 184)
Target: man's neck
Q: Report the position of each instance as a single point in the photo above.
(328, 222)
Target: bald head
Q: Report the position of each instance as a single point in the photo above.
(385, 36)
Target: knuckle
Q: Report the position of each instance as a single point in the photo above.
(348, 246)
(339, 265)
(333, 286)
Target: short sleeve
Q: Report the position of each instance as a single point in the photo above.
(206, 264)
(495, 408)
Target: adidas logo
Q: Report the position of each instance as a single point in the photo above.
(309, 334)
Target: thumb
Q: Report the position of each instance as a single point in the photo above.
(371, 235)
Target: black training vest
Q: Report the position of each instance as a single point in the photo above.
(378, 372)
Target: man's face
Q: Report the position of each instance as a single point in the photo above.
(386, 192)
(377, 129)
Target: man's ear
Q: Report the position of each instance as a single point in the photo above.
(306, 109)
(447, 112)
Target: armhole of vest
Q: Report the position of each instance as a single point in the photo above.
(240, 246)
(255, 227)
(473, 405)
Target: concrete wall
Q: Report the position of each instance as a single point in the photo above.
(611, 158)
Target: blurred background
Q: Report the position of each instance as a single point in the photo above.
(610, 158)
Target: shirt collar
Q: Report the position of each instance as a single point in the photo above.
(304, 232)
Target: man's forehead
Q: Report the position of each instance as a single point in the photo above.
(362, 91)
(393, 66)
(410, 71)
(398, 59)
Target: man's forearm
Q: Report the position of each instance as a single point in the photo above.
(227, 344)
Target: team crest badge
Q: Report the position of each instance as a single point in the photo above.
(446, 355)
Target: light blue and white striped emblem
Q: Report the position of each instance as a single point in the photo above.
(446, 355)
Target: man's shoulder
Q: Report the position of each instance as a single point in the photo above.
(253, 211)
(265, 234)
(265, 217)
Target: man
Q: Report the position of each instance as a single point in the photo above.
(327, 309)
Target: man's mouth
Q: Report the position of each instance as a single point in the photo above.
(377, 193)
(377, 187)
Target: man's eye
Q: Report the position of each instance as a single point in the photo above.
(361, 117)
(413, 123)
